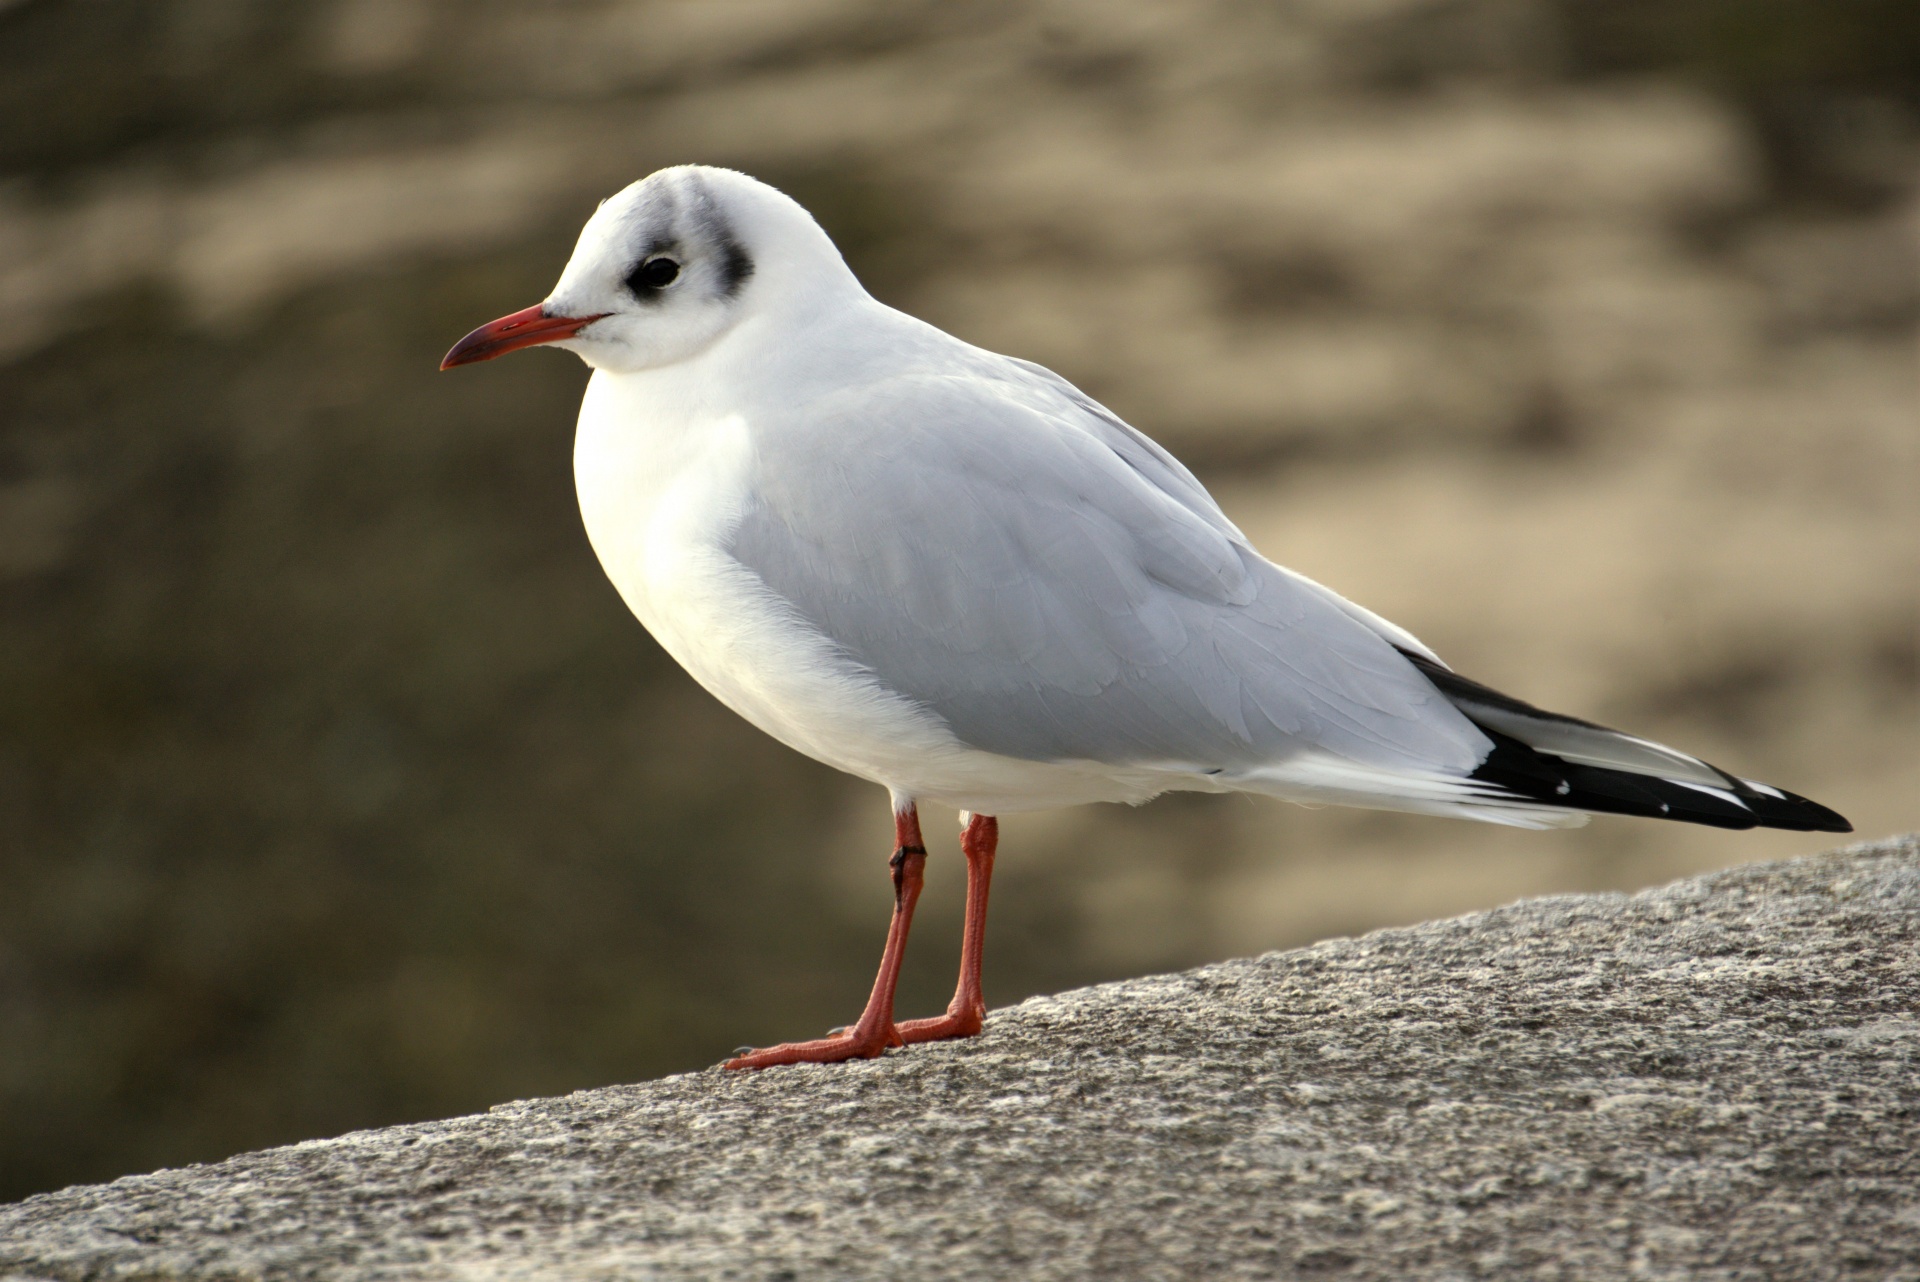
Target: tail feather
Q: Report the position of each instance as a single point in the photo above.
(1563, 761)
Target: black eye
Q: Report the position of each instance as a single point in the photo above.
(655, 273)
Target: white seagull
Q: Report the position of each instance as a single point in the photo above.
(955, 574)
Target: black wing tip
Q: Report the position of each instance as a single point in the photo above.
(1541, 776)
(1522, 770)
(1791, 811)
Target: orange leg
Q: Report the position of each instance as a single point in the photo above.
(968, 1010)
(875, 1031)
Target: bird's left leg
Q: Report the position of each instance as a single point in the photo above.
(968, 1010)
(875, 1030)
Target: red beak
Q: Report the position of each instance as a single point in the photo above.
(511, 333)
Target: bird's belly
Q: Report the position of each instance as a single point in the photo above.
(658, 524)
(658, 515)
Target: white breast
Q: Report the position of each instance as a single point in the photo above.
(659, 493)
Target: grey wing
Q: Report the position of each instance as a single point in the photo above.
(1159, 468)
(1054, 586)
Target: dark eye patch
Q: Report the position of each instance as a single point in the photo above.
(653, 273)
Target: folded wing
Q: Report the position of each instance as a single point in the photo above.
(1054, 586)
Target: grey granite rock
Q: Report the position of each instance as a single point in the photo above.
(1718, 1079)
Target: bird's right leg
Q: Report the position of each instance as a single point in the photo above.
(875, 1030)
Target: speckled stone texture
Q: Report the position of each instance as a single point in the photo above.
(1718, 1079)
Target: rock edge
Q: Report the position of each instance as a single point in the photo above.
(1715, 1079)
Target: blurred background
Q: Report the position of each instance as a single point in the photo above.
(337, 788)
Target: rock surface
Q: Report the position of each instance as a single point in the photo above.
(1717, 1079)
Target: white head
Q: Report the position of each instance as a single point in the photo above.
(666, 267)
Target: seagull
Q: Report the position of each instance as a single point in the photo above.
(955, 574)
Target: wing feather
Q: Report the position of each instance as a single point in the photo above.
(1055, 586)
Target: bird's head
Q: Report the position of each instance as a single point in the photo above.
(666, 267)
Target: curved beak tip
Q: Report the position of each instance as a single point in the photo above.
(528, 327)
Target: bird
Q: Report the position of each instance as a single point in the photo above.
(956, 575)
